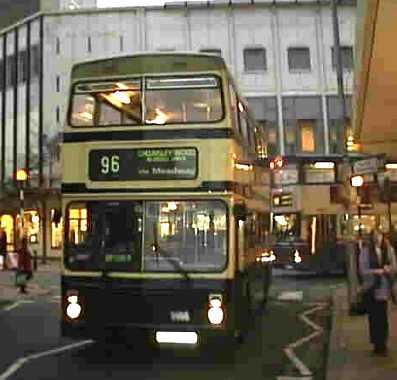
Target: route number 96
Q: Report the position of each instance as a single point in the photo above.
(110, 164)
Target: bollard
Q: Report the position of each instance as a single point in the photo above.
(35, 260)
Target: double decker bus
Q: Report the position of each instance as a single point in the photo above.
(164, 215)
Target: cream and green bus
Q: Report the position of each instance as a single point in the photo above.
(163, 200)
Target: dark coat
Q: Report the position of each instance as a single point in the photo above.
(24, 260)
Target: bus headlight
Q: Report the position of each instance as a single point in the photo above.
(215, 311)
(297, 257)
(73, 310)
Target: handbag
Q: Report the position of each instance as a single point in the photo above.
(21, 279)
(364, 299)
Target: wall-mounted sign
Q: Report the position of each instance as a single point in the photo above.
(283, 200)
(143, 164)
(368, 165)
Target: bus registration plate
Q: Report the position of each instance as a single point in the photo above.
(143, 164)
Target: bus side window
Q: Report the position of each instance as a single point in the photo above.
(243, 123)
(251, 134)
(234, 110)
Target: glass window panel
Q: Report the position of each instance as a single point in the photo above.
(299, 59)
(107, 236)
(185, 235)
(32, 225)
(57, 234)
(307, 139)
(234, 109)
(347, 57)
(183, 105)
(319, 175)
(7, 222)
(286, 227)
(164, 83)
(83, 110)
(255, 59)
(168, 100)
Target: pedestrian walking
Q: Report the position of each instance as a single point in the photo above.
(377, 267)
(24, 272)
(3, 247)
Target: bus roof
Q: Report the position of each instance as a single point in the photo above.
(148, 63)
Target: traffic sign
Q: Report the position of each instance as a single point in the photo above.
(367, 166)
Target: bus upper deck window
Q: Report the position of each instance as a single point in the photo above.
(170, 100)
(107, 103)
(83, 110)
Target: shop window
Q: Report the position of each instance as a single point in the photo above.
(32, 225)
(306, 132)
(7, 222)
(77, 224)
(286, 227)
(57, 234)
(368, 223)
(320, 172)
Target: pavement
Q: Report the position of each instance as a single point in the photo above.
(46, 281)
(350, 354)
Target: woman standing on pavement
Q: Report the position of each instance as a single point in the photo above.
(24, 264)
(377, 266)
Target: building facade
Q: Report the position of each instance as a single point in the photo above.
(279, 51)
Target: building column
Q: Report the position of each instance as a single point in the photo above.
(322, 73)
(277, 75)
(231, 26)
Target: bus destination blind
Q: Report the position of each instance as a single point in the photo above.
(143, 164)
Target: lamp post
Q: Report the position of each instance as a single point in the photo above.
(357, 182)
(21, 177)
(387, 192)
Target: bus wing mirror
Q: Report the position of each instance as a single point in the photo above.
(240, 212)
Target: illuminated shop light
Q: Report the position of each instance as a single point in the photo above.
(244, 167)
(324, 165)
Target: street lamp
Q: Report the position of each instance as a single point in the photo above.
(357, 181)
(21, 177)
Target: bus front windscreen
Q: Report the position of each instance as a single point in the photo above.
(149, 101)
(146, 236)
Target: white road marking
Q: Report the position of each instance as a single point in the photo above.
(16, 304)
(289, 349)
(303, 370)
(290, 296)
(294, 378)
(14, 367)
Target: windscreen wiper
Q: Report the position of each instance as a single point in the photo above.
(157, 250)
